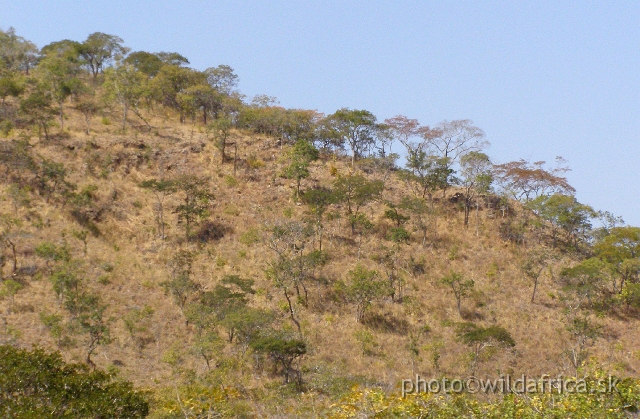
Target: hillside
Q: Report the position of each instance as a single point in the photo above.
(268, 275)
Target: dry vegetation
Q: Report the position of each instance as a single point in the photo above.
(126, 262)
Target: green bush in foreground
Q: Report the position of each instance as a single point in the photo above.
(36, 384)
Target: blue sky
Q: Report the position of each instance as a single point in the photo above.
(542, 78)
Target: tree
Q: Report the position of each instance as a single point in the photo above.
(460, 287)
(356, 191)
(127, 86)
(58, 77)
(88, 106)
(302, 153)
(88, 316)
(452, 139)
(145, 62)
(16, 53)
(356, 128)
(533, 266)
(99, 49)
(221, 129)
(584, 281)
(403, 129)
(195, 204)
(318, 201)
(564, 212)
(284, 351)
(621, 250)
(222, 78)
(161, 189)
(180, 284)
(426, 173)
(479, 338)
(525, 181)
(172, 58)
(583, 334)
(476, 179)
(37, 384)
(10, 85)
(364, 286)
(37, 108)
(171, 82)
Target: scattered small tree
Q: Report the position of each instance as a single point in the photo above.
(479, 338)
(460, 287)
(364, 286)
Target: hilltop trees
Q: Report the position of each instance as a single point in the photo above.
(99, 49)
(356, 128)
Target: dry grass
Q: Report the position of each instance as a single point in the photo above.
(246, 201)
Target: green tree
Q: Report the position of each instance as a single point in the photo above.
(58, 77)
(16, 53)
(301, 154)
(460, 287)
(145, 62)
(127, 86)
(621, 250)
(583, 333)
(221, 130)
(363, 287)
(356, 128)
(10, 85)
(195, 201)
(356, 191)
(535, 263)
(564, 213)
(99, 49)
(318, 201)
(476, 179)
(283, 351)
(222, 78)
(479, 338)
(37, 109)
(180, 284)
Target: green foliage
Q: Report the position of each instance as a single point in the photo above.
(195, 201)
(479, 338)
(180, 285)
(364, 287)
(356, 191)
(564, 213)
(283, 351)
(460, 287)
(302, 153)
(36, 384)
(138, 322)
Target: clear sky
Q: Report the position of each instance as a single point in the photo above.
(541, 78)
